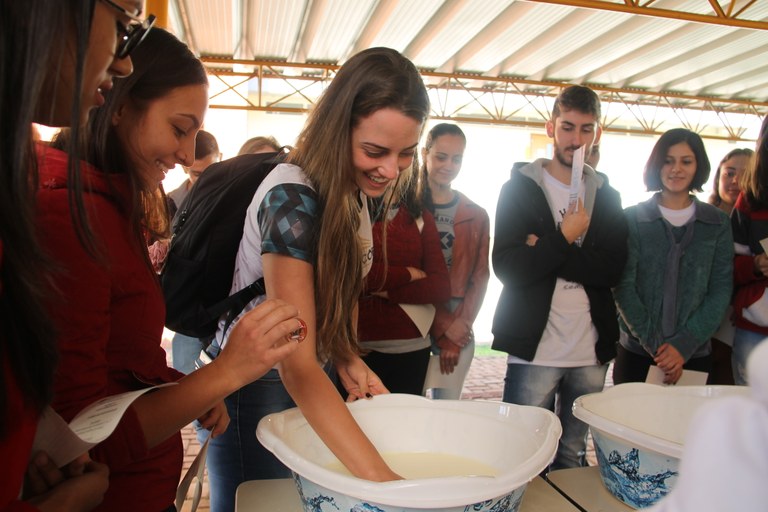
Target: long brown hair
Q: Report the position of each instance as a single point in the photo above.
(754, 182)
(32, 49)
(371, 80)
(161, 64)
(435, 133)
(714, 197)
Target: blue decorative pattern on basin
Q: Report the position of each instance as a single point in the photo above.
(638, 478)
(316, 498)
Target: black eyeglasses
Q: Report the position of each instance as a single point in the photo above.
(129, 36)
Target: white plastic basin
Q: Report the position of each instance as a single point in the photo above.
(639, 432)
(518, 441)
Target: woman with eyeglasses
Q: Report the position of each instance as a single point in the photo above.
(57, 59)
(110, 322)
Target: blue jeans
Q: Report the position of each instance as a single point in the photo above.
(184, 350)
(556, 389)
(236, 455)
(744, 342)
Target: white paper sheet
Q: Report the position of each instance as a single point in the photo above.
(577, 171)
(421, 315)
(65, 442)
(764, 244)
(195, 471)
(689, 377)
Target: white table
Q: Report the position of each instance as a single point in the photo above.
(586, 489)
(274, 495)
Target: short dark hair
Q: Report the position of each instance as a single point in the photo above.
(579, 98)
(205, 144)
(651, 174)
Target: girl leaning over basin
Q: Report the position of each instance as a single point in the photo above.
(362, 133)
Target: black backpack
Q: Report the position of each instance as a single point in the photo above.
(207, 230)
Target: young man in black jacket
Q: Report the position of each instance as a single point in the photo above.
(558, 261)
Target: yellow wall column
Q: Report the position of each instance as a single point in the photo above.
(160, 9)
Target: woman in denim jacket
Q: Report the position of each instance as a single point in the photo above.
(677, 282)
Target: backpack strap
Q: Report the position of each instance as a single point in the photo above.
(239, 300)
(233, 306)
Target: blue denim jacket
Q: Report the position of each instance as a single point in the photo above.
(705, 280)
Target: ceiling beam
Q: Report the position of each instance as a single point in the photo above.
(605, 40)
(675, 60)
(758, 91)
(552, 34)
(379, 16)
(486, 36)
(746, 75)
(240, 24)
(717, 66)
(189, 36)
(717, 18)
(638, 53)
(432, 28)
(222, 65)
(314, 13)
(486, 100)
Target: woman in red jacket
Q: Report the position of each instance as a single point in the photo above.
(407, 278)
(465, 236)
(110, 323)
(749, 221)
(56, 60)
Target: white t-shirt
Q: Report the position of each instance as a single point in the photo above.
(678, 217)
(569, 337)
(248, 263)
(281, 219)
(365, 234)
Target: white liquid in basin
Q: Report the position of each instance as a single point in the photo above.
(427, 465)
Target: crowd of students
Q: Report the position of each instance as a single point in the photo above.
(378, 261)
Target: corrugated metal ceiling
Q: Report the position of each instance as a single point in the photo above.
(526, 39)
(694, 48)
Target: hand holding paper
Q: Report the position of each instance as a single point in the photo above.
(575, 206)
(575, 222)
(688, 377)
(65, 442)
(577, 171)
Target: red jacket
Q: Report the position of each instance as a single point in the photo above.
(15, 447)
(383, 319)
(749, 227)
(469, 269)
(109, 325)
